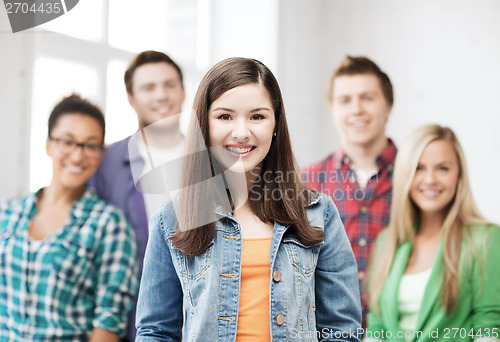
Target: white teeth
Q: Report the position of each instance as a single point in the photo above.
(430, 193)
(358, 123)
(74, 168)
(163, 109)
(239, 149)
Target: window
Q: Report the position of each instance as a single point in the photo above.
(64, 77)
(128, 32)
(87, 51)
(84, 21)
(121, 120)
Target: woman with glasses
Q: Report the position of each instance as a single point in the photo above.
(67, 258)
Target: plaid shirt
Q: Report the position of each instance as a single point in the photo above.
(79, 278)
(364, 211)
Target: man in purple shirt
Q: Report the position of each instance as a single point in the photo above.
(155, 90)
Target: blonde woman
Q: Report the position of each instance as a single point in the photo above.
(434, 275)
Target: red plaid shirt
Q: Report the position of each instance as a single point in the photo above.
(364, 211)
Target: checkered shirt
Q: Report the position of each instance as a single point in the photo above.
(79, 278)
(364, 211)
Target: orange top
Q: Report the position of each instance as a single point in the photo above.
(253, 317)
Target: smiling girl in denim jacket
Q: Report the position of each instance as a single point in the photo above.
(246, 252)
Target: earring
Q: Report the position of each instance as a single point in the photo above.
(274, 133)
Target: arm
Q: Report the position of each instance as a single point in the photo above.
(486, 287)
(116, 275)
(159, 308)
(375, 325)
(338, 307)
(99, 335)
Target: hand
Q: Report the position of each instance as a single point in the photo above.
(100, 335)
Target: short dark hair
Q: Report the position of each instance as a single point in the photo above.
(75, 104)
(147, 57)
(361, 65)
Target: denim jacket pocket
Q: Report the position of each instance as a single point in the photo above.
(193, 268)
(303, 257)
(192, 271)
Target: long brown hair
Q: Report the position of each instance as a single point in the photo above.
(199, 169)
(462, 212)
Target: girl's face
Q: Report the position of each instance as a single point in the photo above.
(436, 178)
(73, 165)
(241, 126)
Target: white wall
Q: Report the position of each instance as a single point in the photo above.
(303, 76)
(244, 28)
(442, 57)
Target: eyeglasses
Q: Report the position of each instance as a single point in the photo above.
(66, 146)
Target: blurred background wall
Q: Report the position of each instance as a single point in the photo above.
(441, 55)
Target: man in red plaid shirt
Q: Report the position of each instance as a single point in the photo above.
(359, 176)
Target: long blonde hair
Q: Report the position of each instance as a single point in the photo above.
(462, 212)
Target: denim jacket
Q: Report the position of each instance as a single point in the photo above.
(316, 298)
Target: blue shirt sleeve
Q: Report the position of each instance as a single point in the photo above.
(116, 265)
(159, 309)
(338, 307)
